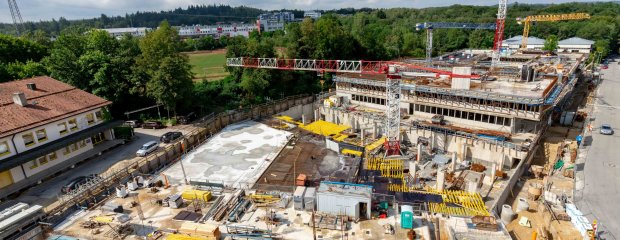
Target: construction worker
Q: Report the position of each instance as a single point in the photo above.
(589, 127)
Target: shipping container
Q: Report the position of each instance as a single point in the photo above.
(309, 198)
(298, 198)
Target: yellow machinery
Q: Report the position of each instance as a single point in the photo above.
(263, 199)
(546, 18)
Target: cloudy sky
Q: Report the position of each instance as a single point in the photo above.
(35, 10)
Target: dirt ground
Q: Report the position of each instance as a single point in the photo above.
(308, 155)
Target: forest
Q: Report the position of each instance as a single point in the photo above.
(134, 72)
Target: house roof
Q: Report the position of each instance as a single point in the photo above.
(51, 101)
(575, 41)
(530, 40)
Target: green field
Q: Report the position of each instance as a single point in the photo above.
(208, 65)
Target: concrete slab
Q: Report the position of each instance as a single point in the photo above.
(236, 157)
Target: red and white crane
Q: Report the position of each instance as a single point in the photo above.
(391, 69)
(499, 32)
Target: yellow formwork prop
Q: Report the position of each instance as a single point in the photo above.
(351, 152)
(324, 128)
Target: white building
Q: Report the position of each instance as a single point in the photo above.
(575, 45)
(513, 44)
(274, 21)
(217, 31)
(312, 14)
(119, 32)
(350, 199)
(47, 126)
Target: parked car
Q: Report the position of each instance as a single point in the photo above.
(133, 123)
(147, 148)
(606, 129)
(604, 67)
(170, 137)
(76, 183)
(153, 125)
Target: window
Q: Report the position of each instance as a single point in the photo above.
(42, 160)
(507, 122)
(62, 128)
(73, 124)
(90, 118)
(52, 156)
(99, 115)
(500, 120)
(67, 151)
(41, 135)
(28, 139)
(74, 147)
(4, 148)
(34, 164)
(82, 143)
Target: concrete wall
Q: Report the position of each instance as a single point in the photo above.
(465, 122)
(305, 110)
(468, 149)
(52, 133)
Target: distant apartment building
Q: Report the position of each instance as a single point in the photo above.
(230, 30)
(274, 21)
(312, 14)
(119, 32)
(47, 126)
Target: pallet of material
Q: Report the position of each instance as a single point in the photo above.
(208, 231)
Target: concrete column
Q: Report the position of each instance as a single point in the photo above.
(501, 161)
(316, 114)
(493, 169)
(374, 130)
(463, 150)
(453, 164)
(363, 134)
(419, 155)
(412, 171)
(303, 118)
(432, 138)
(441, 178)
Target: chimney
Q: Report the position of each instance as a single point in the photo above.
(32, 86)
(19, 98)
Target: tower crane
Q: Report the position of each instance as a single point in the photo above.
(392, 70)
(499, 32)
(18, 22)
(527, 22)
(429, 26)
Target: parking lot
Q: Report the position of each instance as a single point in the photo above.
(47, 192)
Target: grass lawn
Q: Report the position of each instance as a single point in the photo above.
(208, 64)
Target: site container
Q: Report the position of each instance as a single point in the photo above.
(309, 198)
(298, 198)
(301, 180)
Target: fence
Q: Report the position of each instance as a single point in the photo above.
(97, 189)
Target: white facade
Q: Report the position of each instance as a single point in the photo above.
(119, 32)
(575, 45)
(312, 14)
(52, 132)
(513, 44)
(230, 30)
(21, 142)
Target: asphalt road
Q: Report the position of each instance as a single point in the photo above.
(47, 192)
(601, 194)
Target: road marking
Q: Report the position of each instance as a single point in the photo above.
(601, 105)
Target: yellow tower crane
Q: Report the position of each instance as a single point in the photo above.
(546, 18)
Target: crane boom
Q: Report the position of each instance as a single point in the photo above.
(336, 66)
(527, 22)
(429, 26)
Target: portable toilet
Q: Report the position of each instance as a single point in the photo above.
(406, 216)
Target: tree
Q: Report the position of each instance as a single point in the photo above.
(167, 76)
(551, 43)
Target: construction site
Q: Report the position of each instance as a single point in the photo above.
(474, 144)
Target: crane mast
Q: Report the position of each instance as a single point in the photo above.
(429, 26)
(16, 15)
(499, 32)
(527, 22)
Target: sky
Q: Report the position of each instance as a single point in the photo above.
(35, 10)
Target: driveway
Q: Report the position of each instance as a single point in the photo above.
(47, 192)
(601, 194)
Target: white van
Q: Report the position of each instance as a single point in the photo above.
(147, 148)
